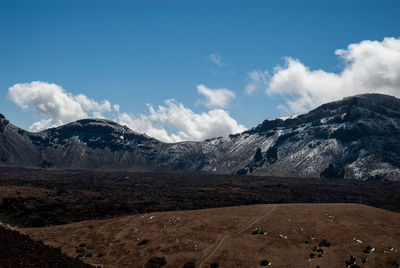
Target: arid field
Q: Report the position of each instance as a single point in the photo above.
(283, 235)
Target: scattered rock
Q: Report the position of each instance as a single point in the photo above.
(368, 249)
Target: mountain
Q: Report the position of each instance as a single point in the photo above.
(357, 137)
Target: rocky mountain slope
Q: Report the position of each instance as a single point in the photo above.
(357, 137)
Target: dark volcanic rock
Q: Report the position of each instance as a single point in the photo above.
(25, 252)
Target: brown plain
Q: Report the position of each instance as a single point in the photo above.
(224, 235)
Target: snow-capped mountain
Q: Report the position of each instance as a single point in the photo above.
(357, 137)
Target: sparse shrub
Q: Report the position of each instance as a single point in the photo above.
(312, 255)
(367, 250)
(306, 242)
(324, 243)
(189, 264)
(80, 250)
(264, 263)
(82, 245)
(89, 247)
(214, 265)
(364, 259)
(143, 242)
(89, 255)
(350, 263)
(155, 262)
(101, 254)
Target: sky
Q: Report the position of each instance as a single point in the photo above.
(191, 70)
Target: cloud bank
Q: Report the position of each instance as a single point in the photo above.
(172, 122)
(369, 67)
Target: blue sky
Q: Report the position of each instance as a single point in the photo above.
(134, 53)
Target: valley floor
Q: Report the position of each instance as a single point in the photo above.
(285, 235)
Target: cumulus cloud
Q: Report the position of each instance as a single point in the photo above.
(370, 66)
(45, 124)
(215, 98)
(188, 124)
(257, 80)
(172, 122)
(116, 107)
(55, 104)
(216, 59)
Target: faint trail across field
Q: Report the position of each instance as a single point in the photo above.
(221, 240)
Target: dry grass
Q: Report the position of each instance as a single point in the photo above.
(225, 235)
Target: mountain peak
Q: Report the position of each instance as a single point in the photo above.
(356, 137)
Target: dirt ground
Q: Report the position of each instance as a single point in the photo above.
(286, 236)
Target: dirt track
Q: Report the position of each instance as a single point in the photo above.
(225, 236)
(221, 240)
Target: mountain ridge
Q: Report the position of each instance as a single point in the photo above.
(356, 137)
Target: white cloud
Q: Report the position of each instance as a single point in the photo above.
(370, 66)
(216, 98)
(188, 125)
(257, 80)
(55, 104)
(216, 59)
(45, 124)
(172, 122)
